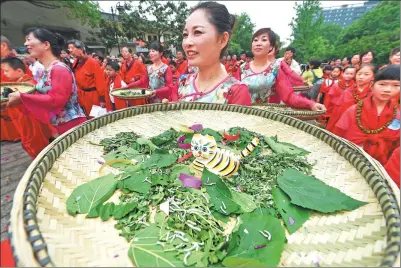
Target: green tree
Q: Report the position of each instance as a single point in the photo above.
(306, 30)
(110, 31)
(164, 18)
(378, 29)
(242, 34)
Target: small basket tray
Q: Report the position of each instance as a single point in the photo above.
(117, 93)
(22, 87)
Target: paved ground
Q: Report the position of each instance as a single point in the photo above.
(14, 162)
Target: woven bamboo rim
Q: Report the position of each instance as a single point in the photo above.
(300, 113)
(42, 234)
(16, 84)
(148, 93)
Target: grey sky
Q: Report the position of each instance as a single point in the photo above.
(274, 14)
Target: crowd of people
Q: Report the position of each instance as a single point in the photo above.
(361, 104)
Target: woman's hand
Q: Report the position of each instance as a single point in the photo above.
(318, 107)
(14, 99)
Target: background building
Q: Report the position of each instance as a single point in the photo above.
(17, 16)
(346, 14)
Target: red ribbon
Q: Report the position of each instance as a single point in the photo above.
(232, 137)
(185, 157)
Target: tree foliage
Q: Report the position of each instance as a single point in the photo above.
(110, 31)
(378, 29)
(242, 34)
(164, 18)
(306, 29)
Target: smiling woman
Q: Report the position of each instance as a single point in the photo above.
(56, 98)
(205, 39)
(267, 76)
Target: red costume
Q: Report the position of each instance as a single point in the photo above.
(117, 83)
(182, 66)
(90, 81)
(393, 166)
(134, 71)
(34, 134)
(380, 145)
(8, 132)
(348, 98)
(165, 61)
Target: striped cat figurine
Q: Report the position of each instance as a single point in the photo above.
(216, 160)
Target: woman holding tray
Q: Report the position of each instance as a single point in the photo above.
(205, 40)
(56, 96)
(266, 76)
(159, 75)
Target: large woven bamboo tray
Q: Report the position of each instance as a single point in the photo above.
(43, 234)
(300, 113)
(22, 87)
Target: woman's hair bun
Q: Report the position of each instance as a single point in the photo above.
(60, 40)
(233, 19)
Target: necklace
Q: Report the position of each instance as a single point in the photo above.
(372, 131)
(356, 96)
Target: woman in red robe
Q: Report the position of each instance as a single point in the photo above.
(182, 63)
(34, 134)
(89, 77)
(374, 122)
(56, 98)
(352, 95)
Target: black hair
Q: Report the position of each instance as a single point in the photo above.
(155, 45)
(327, 68)
(338, 67)
(391, 72)
(15, 63)
(219, 16)
(272, 38)
(349, 67)
(114, 65)
(98, 55)
(292, 49)
(140, 55)
(243, 52)
(76, 43)
(315, 63)
(370, 65)
(249, 54)
(366, 52)
(172, 63)
(394, 51)
(55, 40)
(120, 56)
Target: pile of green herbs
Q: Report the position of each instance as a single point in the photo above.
(232, 221)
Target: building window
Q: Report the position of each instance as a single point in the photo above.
(149, 38)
